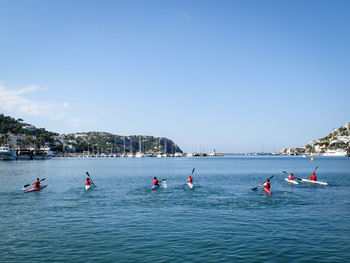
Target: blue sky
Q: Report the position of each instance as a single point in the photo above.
(237, 76)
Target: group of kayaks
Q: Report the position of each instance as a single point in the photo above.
(305, 181)
(164, 183)
(292, 180)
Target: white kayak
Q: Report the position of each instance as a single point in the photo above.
(314, 182)
(291, 181)
(164, 183)
(190, 185)
(87, 187)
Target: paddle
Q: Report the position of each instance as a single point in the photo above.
(315, 169)
(32, 183)
(261, 184)
(293, 175)
(91, 179)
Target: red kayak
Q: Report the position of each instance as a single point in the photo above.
(36, 189)
(267, 190)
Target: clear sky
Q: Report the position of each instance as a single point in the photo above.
(237, 76)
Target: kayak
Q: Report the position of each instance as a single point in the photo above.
(87, 187)
(190, 185)
(267, 190)
(154, 187)
(291, 181)
(36, 189)
(164, 183)
(314, 182)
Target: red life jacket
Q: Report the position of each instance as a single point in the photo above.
(313, 177)
(87, 182)
(190, 180)
(155, 182)
(267, 185)
(37, 184)
(291, 177)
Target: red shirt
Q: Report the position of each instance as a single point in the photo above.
(87, 182)
(267, 185)
(190, 180)
(155, 182)
(313, 177)
(37, 184)
(291, 177)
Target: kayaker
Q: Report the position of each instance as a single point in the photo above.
(36, 183)
(291, 176)
(313, 177)
(190, 179)
(266, 184)
(87, 182)
(155, 181)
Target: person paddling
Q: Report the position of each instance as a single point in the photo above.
(190, 179)
(267, 185)
(291, 176)
(155, 182)
(313, 177)
(88, 181)
(36, 183)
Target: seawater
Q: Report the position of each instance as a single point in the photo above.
(220, 220)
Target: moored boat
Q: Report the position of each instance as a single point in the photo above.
(7, 154)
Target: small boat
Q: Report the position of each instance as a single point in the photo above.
(36, 189)
(190, 185)
(154, 187)
(164, 183)
(313, 182)
(267, 190)
(7, 154)
(291, 181)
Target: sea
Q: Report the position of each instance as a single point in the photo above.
(220, 220)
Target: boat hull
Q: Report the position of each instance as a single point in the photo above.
(291, 181)
(35, 189)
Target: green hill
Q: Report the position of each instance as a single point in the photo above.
(102, 142)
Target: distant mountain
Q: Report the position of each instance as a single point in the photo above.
(336, 143)
(16, 132)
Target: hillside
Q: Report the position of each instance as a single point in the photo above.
(10, 126)
(338, 141)
(17, 133)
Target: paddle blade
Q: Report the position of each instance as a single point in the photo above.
(26, 185)
(255, 188)
(88, 174)
(284, 172)
(42, 179)
(193, 170)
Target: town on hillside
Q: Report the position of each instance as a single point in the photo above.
(336, 143)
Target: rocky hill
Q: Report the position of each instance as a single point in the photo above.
(17, 133)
